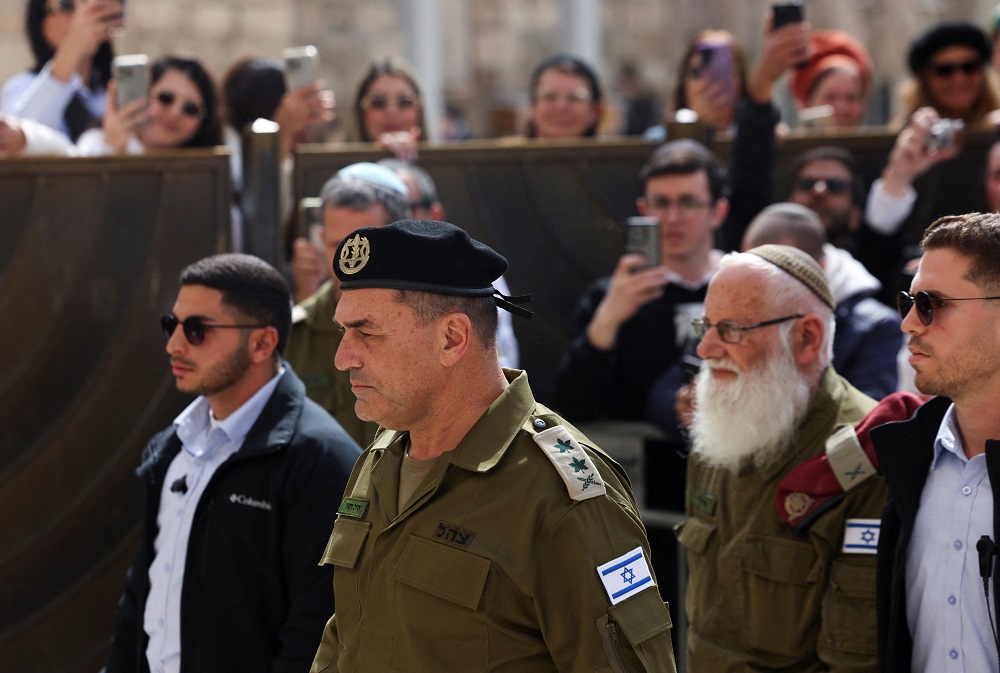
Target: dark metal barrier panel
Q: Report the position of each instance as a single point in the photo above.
(557, 211)
(90, 252)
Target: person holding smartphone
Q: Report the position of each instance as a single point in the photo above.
(712, 79)
(67, 86)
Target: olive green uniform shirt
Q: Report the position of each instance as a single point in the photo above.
(762, 597)
(311, 349)
(493, 565)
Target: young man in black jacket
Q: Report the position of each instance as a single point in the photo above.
(943, 465)
(241, 491)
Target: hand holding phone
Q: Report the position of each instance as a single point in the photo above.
(713, 61)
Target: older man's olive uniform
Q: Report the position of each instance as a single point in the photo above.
(311, 348)
(762, 596)
(496, 563)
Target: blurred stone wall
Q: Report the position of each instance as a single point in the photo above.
(490, 46)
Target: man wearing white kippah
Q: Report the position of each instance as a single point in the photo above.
(769, 588)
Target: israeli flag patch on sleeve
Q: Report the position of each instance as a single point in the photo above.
(626, 575)
(576, 468)
(861, 536)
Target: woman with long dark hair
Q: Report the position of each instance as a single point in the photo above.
(182, 111)
(66, 88)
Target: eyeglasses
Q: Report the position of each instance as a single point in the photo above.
(925, 304)
(579, 95)
(832, 185)
(686, 206)
(945, 70)
(188, 109)
(194, 327)
(60, 7)
(379, 101)
(732, 332)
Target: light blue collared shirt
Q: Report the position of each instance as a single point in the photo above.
(207, 444)
(945, 607)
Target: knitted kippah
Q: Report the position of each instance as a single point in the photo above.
(799, 265)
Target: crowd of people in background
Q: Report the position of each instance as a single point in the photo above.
(781, 308)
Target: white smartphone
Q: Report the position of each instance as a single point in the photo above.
(131, 73)
(301, 66)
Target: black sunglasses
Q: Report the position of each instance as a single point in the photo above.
(194, 327)
(925, 304)
(949, 69)
(832, 185)
(189, 109)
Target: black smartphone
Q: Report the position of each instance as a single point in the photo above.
(787, 12)
(642, 236)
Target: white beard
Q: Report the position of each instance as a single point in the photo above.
(754, 417)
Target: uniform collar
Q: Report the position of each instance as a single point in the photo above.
(486, 442)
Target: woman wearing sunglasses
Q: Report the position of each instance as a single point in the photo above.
(387, 108)
(66, 88)
(952, 74)
(182, 111)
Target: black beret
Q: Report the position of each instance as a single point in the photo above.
(948, 34)
(418, 255)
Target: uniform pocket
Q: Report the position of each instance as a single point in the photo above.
(702, 595)
(851, 624)
(441, 611)
(346, 542)
(781, 597)
(644, 621)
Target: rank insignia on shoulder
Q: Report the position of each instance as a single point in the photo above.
(626, 575)
(861, 536)
(576, 468)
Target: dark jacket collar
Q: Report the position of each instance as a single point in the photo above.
(272, 431)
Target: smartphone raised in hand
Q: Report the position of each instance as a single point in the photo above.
(642, 236)
(131, 73)
(301, 66)
(784, 13)
(715, 62)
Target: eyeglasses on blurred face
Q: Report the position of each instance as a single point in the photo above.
(377, 101)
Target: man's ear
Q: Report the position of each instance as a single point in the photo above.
(807, 340)
(456, 333)
(263, 342)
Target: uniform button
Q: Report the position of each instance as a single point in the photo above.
(953, 654)
(539, 423)
(166, 567)
(162, 624)
(180, 512)
(967, 490)
(958, 544)
(952, 600)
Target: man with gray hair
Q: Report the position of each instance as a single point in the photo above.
(867, 339)
(360, 195)
(799, 590)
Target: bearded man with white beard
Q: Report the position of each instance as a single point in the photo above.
(764, 594)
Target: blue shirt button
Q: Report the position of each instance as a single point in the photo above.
(166, 567)
(958, 544)
(967, 490)
(952, 600)
(953, 654)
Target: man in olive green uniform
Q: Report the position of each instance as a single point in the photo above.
(480, 532)
(360, 195)
(770, 588)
